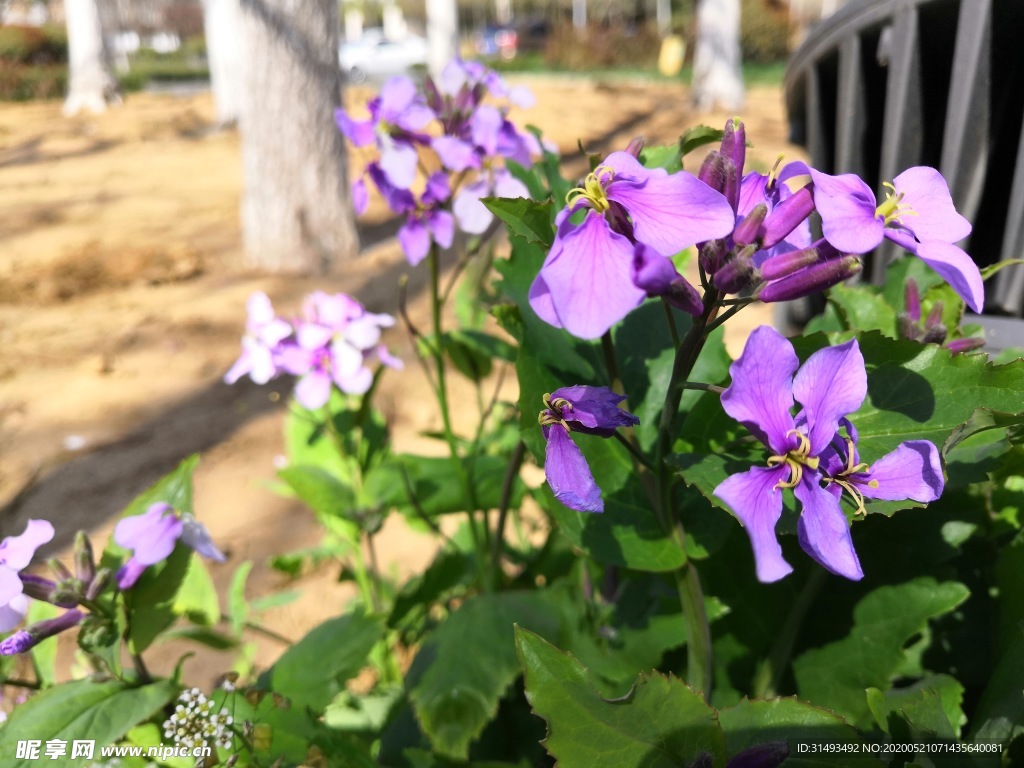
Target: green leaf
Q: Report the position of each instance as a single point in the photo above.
(526, 218)
(836, 675)
(981, 420)
(150, 603)
(238, 606)
(468, 360)
(174, 488)
(669, 157)
(207, 636)
(197, 596)
(308, 443)
(448, 570)
(931, 708)
(699, 136)
(322, 491)
(999, 715)
(753, 723)
(661, 723)
(313, 671)
(863, 309)
(468, 662)
(82, 709)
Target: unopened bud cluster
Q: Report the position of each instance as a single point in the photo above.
(195, 723)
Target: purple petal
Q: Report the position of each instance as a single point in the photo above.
(455, 154)
(12, 613)
(629, 169)
(757, 503)
(398, 162)
(452, 78)
(129, 573)
(830, 385)
(934, 217)
(507, 185)
(151, 536)
(195, 536)
(10, 585)
(912, 471)
(671, 213)
(568, 474)
(472, 215)
(761, 393)
(652, 271)
(129, 531)
(957, 269)
(442, 228)
(395, 96)
(438, 189)
(522, 97)
(823, 530)
(847, 208)
(595, 408)
(415, 117)
(313, 390)
(359, 132)
(16, 552)
(542, 303)
(414, 238)
(398, 200)
(360, 196)
(588, 274)
(485, 125)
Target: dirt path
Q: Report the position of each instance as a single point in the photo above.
(122, 302)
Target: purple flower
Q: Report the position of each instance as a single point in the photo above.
(586, 284)
(152, 537)
(332, 346)
(264, 333)
(16, 552)
(918, 215)
(28, 638)
(592, 411)
(396, 118)
(809, 450)
(425, 220)
(472, 215)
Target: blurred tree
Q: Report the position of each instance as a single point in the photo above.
(296, 208)
(717, 77)
(223, 51)
(442, 34)
(91, 84)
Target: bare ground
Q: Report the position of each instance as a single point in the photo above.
(122, 302)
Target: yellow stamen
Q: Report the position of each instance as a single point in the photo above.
(892, 208)
(796, 460)
(593, 189)
(773, 174)
(552, 410)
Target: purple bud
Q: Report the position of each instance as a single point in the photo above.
(657, 276)
(32, 635)
(37, 587)
(961, 346)
(935, 316)
(434, 99)
(63, 574)
(732, 184)
(99, 583)
(768, 755)
(747, 230)
(787, 216)
(912, 300)
(85, 563)
(813, 279)
(734, 144)
(711, 255)
(935, 334)
(738, 273)
(907, 328)
(784, 264)
(712, 171)
(636, 146)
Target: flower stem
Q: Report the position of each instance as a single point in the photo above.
(515, 463)
(769, 673)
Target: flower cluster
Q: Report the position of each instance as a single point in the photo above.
(195, 723)
(592, 411)
(329, 345)
(468, 106)
(620, 227)
(813, 453)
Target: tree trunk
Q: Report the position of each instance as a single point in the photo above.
(717, 77)
(91, 84)
(222, 19)
(442, 34)
(296, 208)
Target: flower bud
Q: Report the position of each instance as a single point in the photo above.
(97, 632)
(63, 574)
(784, 264)
(658, 276)
(787, 216)
(934, 316)
(747, 231)
(712, 171)
(912, 301)
(907, 328)
(734, 144)
(37, 587)
(635, 147)
(813, 279)
(711, 255)
(936, 334)
(32, 635)
(768, 755)
(98, 584)
(962, 346)
(434, 99)
(738, 273)
(85, 563)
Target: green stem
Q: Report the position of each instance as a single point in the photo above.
(608, 350)
(507, 485)
(672, 328)
(703, 387)
(17, 683)
(634, 451)
(768, 677)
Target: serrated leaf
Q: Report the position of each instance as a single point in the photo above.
(931, 708)
(863, 309)
(82, 709)
(468, 662)
(753, 723)
(661, 723)
(524, 218)
(313, 671)
(836, 675)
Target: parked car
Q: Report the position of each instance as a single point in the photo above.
(502, 42)
(375, 56)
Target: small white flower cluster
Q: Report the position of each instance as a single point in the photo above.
(195, 724)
